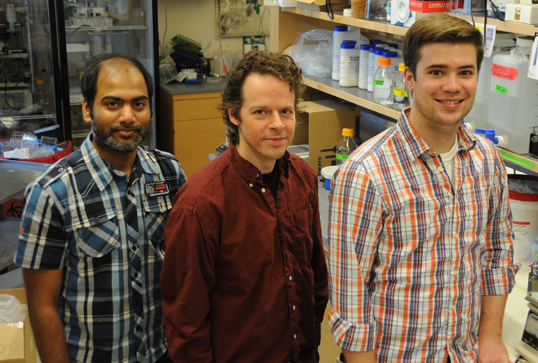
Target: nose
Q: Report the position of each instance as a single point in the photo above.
(452, 83)
(127, 114)
(275, 121)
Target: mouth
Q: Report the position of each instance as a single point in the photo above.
(276, 141)
(450, 102)
(127, 132)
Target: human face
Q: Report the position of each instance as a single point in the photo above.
(266, 121)
(445, 87)
(121, 113)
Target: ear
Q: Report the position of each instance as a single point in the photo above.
(409, 80)
(86, 112)
(233, 118)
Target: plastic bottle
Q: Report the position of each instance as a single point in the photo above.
(400, 92)
(388, 10)
(346, 146)
(371, 60)
(382, 84)
(349, 64)
(364, 54)
(39, 94)
(512, 104)
(339, 35)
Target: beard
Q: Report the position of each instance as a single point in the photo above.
(105, 137)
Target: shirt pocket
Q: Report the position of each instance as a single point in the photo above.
(156, 211)
(99, 239)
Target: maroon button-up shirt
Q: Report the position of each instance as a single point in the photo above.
(244, 276)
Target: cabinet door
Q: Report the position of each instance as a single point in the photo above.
(194, 140)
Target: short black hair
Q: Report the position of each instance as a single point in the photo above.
(89, 79)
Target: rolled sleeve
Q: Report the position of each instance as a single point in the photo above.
(498, 267)
(355, 222)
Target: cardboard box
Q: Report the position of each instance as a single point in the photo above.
(17, 344)
(427, 6)
(319, 5)
(320, 126)
(527, 14)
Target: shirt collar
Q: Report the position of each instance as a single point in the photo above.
(251, 173)
(415, 146)
(101, 170)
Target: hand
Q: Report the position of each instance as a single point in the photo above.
(492, 351)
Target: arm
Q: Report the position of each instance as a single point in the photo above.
(319, 266)
(359, 357)
(43, 289)
(491, 348)
(187, 279)
(355, 222)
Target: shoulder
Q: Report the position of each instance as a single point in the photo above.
(167, 162)
(302, 167)
(70, 165)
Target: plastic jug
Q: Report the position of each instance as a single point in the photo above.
(513, 101)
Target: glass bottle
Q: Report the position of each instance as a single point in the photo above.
(400, 92)
(383, 93)
(346, 146)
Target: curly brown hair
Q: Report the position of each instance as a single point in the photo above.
(278, 65)
(439, 28)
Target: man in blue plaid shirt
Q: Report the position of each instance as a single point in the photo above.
(92, 234)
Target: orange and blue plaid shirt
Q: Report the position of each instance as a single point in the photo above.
(411, 253)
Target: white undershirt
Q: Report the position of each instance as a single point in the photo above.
(448, 160)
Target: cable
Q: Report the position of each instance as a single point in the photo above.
(5, 89)
(74, 31)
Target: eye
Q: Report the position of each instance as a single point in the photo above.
(112, 104)
(467, 73)
(287, 112)
(259, 112)
(140, 104)
(436, 72)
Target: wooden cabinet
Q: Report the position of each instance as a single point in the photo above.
(286, 23)
(191, 127)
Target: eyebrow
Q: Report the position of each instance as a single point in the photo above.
(119, 99)
(443, 66)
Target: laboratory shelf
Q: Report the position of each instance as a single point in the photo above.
(360, 97)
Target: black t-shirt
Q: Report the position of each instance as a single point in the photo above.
(272, 179)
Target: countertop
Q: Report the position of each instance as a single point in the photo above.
(213, 85)
(515, 313)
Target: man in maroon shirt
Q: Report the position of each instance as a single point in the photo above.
(244, 277)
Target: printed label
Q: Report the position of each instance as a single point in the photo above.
(341, 157)
(400, 92)
(503, 72)
(378, 82)
(501, 89)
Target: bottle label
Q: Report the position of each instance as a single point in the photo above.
(501, 89)
(503, 72)
(378, 82)
(341, 157)
(400, 92)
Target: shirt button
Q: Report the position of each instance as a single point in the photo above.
(250, 185)
(294, 336)
(263, 190)
(291, 278)
(440, 168)
(293, 307)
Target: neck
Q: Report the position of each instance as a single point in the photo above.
(440, 139)
(121, 161)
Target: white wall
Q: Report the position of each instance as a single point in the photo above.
(194, 19)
